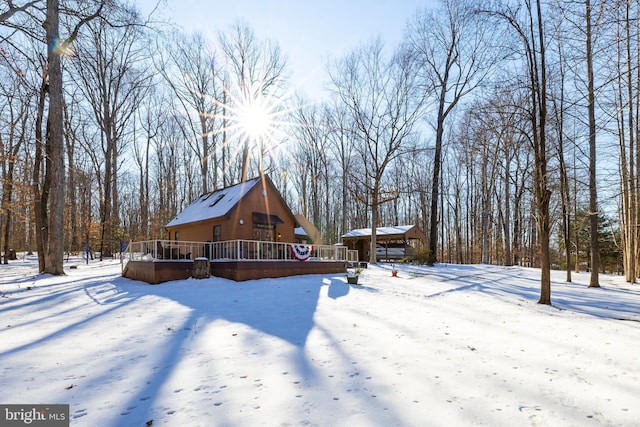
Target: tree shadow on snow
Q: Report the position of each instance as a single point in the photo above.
(282, 308)
(503, 282)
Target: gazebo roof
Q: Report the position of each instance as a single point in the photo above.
(389, 232)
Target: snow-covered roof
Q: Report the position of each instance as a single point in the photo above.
(213, 205)
(380, 231)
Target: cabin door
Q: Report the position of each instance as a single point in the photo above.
(263, 233)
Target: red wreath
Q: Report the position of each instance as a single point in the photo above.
(301, 252)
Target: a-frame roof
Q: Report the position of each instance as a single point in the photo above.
(214, 204)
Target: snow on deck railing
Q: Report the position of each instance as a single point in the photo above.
(237, 250)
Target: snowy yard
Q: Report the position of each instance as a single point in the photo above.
(442, 346)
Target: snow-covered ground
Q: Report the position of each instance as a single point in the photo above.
(442, 346)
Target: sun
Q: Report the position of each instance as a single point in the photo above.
(255, 119)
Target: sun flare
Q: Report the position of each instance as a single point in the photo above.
(255, 120)
(256, 126)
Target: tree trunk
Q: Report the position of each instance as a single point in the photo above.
(629, 214)
(7, 178)
(115, 198)
(545, 259)
(437, 165)
(374, 222)
(39, 199)
(593, 191)
(457, 223)
(543, 195)
(74, 242)
(225, 148)
(507, 212)
(105, 217)
(204, 161)
(55, 140)
(484, 216)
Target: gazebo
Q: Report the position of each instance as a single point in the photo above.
(394, 242)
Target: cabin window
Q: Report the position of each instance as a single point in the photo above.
(217, 233)
(176, 236)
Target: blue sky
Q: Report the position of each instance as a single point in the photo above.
(308, 31)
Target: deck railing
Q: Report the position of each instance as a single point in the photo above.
(237, 250)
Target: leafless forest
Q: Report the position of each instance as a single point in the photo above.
(507, 130)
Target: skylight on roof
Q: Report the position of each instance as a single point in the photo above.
(220, 196)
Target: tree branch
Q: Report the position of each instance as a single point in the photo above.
(4, 16)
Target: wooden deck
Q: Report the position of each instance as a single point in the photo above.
(159, 271)
(157, 261)
(250, 270)
(155, 272)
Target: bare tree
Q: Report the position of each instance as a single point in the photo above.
(312, 160)
(484, 139)
(382, 102)
(452, 46)
(341, 143)
(593, 189)
(15, 102)
(256, 72)
(111, 64)
(172, 166)
(589, 23)
(625, 90)
(197, 85)
(54, 250)
(528, 25)
(559, 114)
(152, 117)
(50, 213)
(11, 8)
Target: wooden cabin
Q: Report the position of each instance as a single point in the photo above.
(245, 231)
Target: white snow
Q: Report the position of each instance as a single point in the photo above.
(436, 346)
